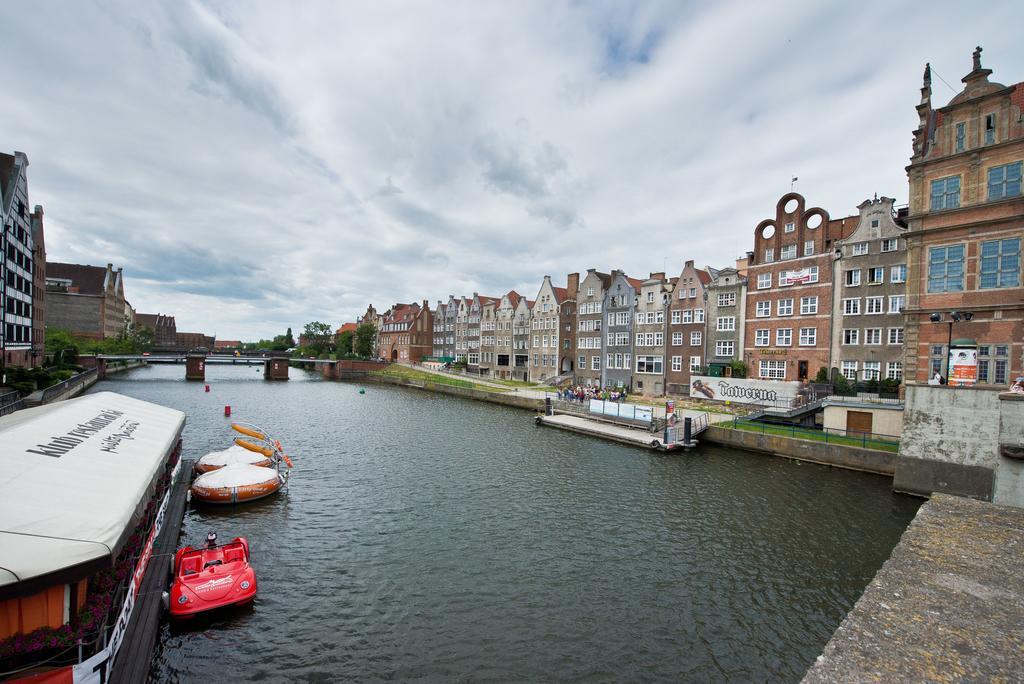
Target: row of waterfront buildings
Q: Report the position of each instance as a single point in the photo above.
(88, 301)
(876, 295)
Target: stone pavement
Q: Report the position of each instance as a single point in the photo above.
(948, 605)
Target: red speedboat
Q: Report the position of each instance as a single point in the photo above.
(212, 577)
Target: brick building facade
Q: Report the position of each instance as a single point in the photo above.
(790, 291)
(966, 228)
(649, 345)
(726, 313)
(686, 334)
(87, 300)
(405, 333)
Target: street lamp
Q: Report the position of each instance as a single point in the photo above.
(954, 317)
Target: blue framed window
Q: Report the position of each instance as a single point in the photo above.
(945, 193)
(1004, 181)
(946, 269)
(1000, 263)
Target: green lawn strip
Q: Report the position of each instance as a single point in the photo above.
(814, 435)
(422, 376)
(515, 383)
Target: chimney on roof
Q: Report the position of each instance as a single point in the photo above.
(742, 263)
(573, 284)
(689, 262)
(426, 305)
(658, 276)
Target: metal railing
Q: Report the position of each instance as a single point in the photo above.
(11, 407)
(9, 397)
(54, 391)
(867, 440)
(583, 410)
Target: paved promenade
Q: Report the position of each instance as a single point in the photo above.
(948, 605)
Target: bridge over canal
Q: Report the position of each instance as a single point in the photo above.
(275, 366)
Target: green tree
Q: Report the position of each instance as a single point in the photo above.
(319, 337)
(365, 336)
(343, 343)
(288, 339)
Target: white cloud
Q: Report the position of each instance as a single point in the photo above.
(261, 165)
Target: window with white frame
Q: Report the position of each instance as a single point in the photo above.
(688, 316)
(890, 244)
(896, 303)
(859, 248)
(790, 227)
(621, 339)
(659, 339)
(784, 337)
(895, 335)
(772, 370)
(808, 337)
(898, 273)
(698, 315)
(808, 247)
(809, 305)
(659, 317)
(764, 281)
(727, 299)
(595, 363)
(649, 364)
(651, 318)
(874, 305)
(694, 364)
(640, 317)
(769, 255)
(894, 370)
(849, 370)
(693, 292)
(581, 362)
(726, 323)
(650, 297)
(676, 317)
(763, 309)
(785, 307)
(851, 307)
(813, 270)
(761, 337)
(677, 364)
(851, 336)
(677, 339)
(695, 338)
(853, 277)
(640, 340)
(788, 252)
(876, 275)
(872, 336)
(871, 370)
(724, 348)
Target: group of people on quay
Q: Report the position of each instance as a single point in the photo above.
(582, 393)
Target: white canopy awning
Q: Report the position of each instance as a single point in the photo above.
(72, 475)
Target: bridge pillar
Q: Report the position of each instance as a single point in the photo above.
(101, 369)
(276, 369)
(195, 367)
(329, 370)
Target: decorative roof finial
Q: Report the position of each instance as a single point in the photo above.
(977, 58)
(927, 74)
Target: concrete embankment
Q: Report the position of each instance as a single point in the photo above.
(948, 605)
(504, 398)
(838, 455)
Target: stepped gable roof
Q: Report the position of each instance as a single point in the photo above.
(88, 279)
(154, 320)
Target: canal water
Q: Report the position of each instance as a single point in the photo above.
(435, 538)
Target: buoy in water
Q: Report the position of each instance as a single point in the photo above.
(227, 410)
(362, 391)
(207, 388)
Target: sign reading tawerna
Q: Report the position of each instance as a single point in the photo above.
(743, 390)
(74, 473)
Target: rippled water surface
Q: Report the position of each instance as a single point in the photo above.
(434, 538)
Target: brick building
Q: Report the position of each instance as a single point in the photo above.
(504, 318)
(405, 333)
(870, 295)
(686, 333)
(790, 291)
(17, 265)
(462, 330)
(589, 327)
(649, 314)
(521, 339)
(437, 341)
(87, 300)
(192, 341)
(965, 228)
(164, 328)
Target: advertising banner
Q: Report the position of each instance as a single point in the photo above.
(963, 366)
(743, 390)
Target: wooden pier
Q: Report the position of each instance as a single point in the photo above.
(136, 652)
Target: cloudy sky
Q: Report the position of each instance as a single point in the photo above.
(257, 165)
